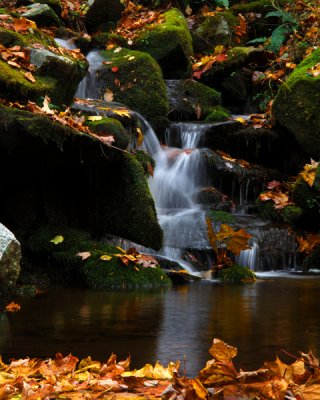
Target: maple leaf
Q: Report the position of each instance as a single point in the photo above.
(221, 351)
(236, 241)
(309, 173)
(23, 24)
(308, 243)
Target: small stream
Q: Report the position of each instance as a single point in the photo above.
(277, 312)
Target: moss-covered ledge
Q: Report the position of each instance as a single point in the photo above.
(56, 247)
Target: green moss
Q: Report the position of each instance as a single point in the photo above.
(100, 40)
(129, 209)
(259, 6)
(93, 272)
(296, 105)
(112, 127)
(14, 86)
(306, 197)
(141, 83)
(221, 217)
(11, 38)
(219, 114)
(235, 274)
(170, 43)
(267, 211)
(291, 214)
(145, 160)
(113, 274)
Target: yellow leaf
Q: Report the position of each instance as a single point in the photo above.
(95, 118)
(57, 239)
(121, 249)
(139, 137)
(105, 257)
(219, 49)
(309, 173)
(221, 351)
(240, 119)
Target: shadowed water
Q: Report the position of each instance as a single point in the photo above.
(179, 323)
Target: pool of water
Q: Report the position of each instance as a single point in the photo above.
(261, 319)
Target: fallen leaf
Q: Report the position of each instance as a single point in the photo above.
(105, 257)
(57, 239)
(84, 255)
(28, 75)
(108, 95)
(12, 307)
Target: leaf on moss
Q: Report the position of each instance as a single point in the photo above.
(84, 255)
(57, 239)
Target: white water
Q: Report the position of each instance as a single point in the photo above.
(88, 87)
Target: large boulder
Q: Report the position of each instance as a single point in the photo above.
(102, 12)
(51, 69)
(10, 257)
(134, 79)
(296, 105)
(191, 100)
(61, 176)
(169, 42)
(42, 14)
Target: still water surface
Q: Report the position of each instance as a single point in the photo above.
(260, 319)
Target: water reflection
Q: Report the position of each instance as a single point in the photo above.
(180, 323)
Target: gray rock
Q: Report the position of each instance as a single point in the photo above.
(42, 15)
(102, 11)
(10, 256)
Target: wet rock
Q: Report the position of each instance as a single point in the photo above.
(191, 100)
(10, 257)
(54, 4)
(41, 14)
(132, 78)
(102, 12)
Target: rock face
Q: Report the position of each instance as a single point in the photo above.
(64, 177)
(10, 256)
(170, 43)
(102, 11)
(296, 105)
(134, 79)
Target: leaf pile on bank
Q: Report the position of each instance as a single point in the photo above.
(67, 378)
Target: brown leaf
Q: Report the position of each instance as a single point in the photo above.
(221, 351)
(108, 95)
(28, 75)
(13, 307)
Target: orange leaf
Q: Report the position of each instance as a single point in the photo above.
(13, 307)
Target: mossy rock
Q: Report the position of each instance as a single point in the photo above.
(54, 4)
(235, 274)
(134, 79)
(219, 114)
(101, 12)
(129, 210)
(92, 272)
(296, 105)
(146, 161)
(11, 38)
(111, 126)
(100, 40)
(191, 100)
(15, 86)
(291, 214)
(213, 31)
(51, 74)
(308, 199)
(170, 43)
(41, 14)
(113, 274)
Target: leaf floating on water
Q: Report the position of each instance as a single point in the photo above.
(57, 239)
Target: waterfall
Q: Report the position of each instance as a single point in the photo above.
(88, 87)
(179, 176)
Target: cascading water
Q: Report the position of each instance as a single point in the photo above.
(179, 176)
